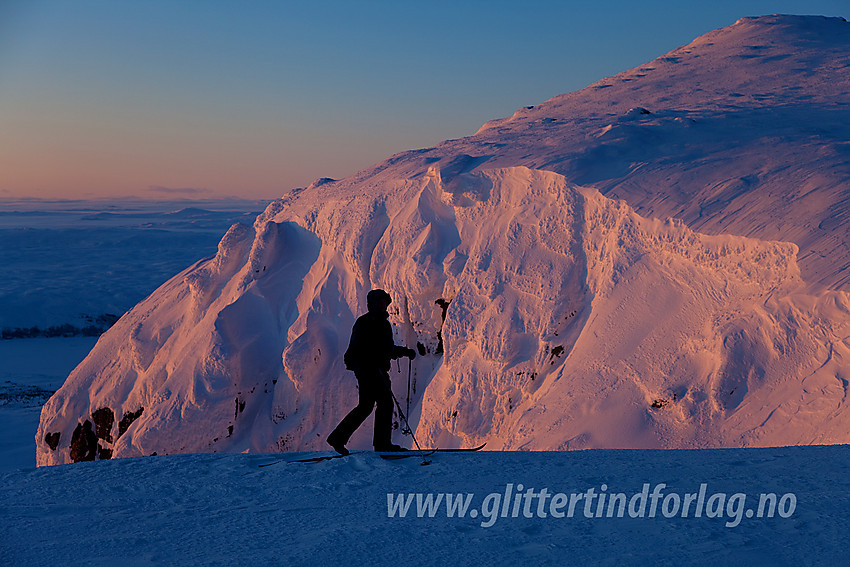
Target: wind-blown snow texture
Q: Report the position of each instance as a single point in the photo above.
(207, 510)
(551, 316)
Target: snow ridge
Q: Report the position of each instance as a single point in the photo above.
(548, 316)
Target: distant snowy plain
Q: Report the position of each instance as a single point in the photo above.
(68, 262)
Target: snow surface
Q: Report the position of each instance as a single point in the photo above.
(223, 510)
(572, 322)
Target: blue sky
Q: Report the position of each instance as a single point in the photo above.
(213, 98)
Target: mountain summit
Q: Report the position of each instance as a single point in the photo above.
(552, 309)
(743, 131)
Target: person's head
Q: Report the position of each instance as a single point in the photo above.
(378, 300)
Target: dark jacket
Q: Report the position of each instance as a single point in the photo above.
(371, 345)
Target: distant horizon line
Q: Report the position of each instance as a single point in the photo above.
(132, 198)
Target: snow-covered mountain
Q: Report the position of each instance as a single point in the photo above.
(550, 309)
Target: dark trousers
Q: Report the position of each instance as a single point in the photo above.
(374, 386)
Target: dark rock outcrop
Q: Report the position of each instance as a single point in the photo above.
(103, 420)
(83, 443)
(52, 440)
(127, 420)
(103, 452)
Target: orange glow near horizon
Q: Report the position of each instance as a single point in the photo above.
(103, 98)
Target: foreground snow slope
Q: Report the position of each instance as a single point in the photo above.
(222, 510)
(564, 319)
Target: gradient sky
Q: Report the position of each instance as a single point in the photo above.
(209, 98)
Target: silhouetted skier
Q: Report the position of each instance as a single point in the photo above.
(369, 353)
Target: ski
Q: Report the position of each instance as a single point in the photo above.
(461, 450)
(427, 452)
(309, 460)
(390, 456)
(324, 458)
(384, 455)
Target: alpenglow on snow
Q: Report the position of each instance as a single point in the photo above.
(533, 264)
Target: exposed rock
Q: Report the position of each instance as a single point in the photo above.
(103, 420)
(103, 452)
(83, 443)
(52, 440)
(127, 420)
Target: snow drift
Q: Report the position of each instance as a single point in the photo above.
(548, 315)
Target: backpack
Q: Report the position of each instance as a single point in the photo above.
(349, 359)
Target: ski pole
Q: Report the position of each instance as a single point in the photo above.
(407, 430)
(407, 423)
